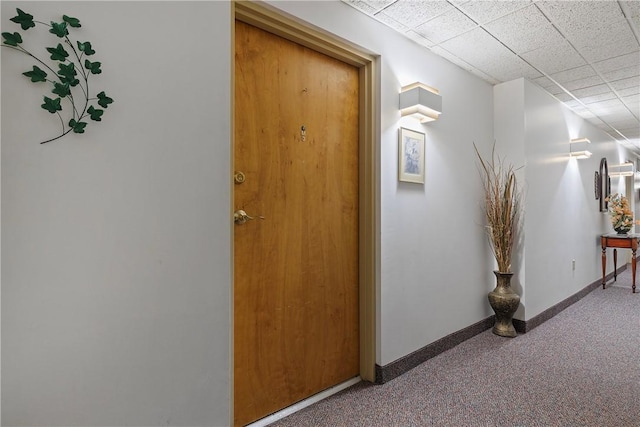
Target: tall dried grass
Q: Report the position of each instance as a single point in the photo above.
(502, 204)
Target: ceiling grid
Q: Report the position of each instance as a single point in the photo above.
(585, 53)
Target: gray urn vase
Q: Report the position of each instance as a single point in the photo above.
(504, 302)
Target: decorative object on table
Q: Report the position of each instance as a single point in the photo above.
(621, 213)
(502, 203)
(411, 156)
(67, 73)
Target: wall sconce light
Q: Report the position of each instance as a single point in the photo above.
(624, 169)
(578, 147)
(420, 101)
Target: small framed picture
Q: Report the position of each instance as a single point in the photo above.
(411, 156)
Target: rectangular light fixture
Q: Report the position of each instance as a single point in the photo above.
(578, 148)
(624, 169)
(420, 101)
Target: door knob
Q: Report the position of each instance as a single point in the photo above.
(240, 217)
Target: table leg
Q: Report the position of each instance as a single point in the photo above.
(604, 264)
(633, 270)
(615, 264)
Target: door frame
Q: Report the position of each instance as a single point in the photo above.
(270, 19)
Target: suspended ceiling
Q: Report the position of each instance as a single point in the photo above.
(585, 53)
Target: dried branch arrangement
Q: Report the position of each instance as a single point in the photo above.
(502, 206)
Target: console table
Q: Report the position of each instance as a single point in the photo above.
(615, 241)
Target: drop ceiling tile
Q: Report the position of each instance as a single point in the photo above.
(583, 83)
(595, 120)
(602, 33)
(584, 113)
(446, 26)
(591, 91)
(554, 90)
(484, 52)
(378, 4)
(625, 116)
(625, 124)
(574, 74)
(543, 82)
(553, 59)
(633, 7)
(388, 20)
(633, 106)
(362, 6)
(419, 38)
(476, 47)
(611, 50)
(486, 11)
(463, 64)
(631, 132)
(607, 105)
(634, 90)
(633, 99)
(525, 30)
(582, 20)
(572, 103)
(626, 83)
(510, 68)
(565, 97)
(623, 73)
(597, 98)
(623, 61)
(414, 13)
(607, 116)
(612, 114)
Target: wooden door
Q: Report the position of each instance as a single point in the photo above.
(296, 270)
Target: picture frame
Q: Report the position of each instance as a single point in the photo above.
(411, 156)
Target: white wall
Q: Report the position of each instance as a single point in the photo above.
(562, 219)
(115, 244)
(116, 276)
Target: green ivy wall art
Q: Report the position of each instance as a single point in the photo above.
(65, 73)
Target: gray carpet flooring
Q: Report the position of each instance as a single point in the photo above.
(580, 368)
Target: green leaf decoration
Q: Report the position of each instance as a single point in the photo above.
(24, 19)
(51, 105)
(95, 113)
(61, 89)
(86, 48)
(36, 75)
(73, 22)
(58, 53)
(104, 100)
(12, 39)
(94, 67)
(67, 74)
(71, 81)
(59, 29)
(78, 127)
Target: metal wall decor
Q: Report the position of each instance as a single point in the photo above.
(602, 184)
(65, 74)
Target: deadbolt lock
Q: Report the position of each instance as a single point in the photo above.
(239, 177)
